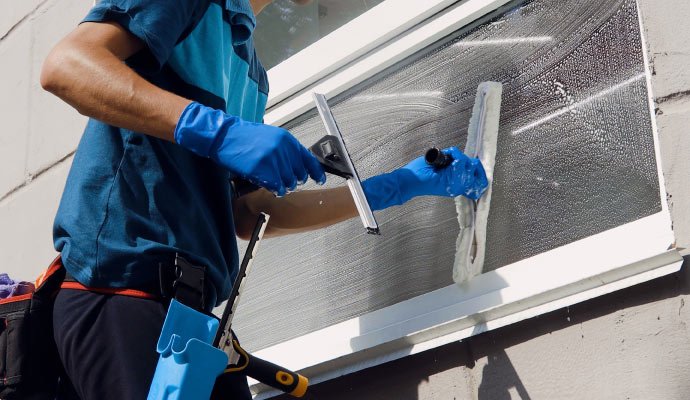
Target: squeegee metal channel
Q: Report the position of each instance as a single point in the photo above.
(353, 183)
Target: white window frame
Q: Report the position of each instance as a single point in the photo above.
(350, 41)
(617, 258)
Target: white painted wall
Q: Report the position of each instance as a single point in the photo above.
(38, 135)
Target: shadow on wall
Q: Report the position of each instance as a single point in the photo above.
(499, 378)
(403, 379)
(398, 380)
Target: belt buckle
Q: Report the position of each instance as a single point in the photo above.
(188, 285)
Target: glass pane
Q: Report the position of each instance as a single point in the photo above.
(284, 28)
(575, 157)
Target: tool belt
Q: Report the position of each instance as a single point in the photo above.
(29, 362)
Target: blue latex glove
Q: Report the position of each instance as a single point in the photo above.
(264, 155)
(464, 176)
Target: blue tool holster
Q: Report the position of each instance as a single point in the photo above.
(188, 365)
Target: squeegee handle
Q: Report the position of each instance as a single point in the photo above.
(268, 373)
(437, 158)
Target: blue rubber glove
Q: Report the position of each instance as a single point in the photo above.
(464, 176)
(264, 155)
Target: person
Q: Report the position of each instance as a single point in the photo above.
(176, 95)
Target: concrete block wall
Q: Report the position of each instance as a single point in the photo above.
(666, 30)
(39, 132)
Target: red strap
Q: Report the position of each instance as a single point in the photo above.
(109, 290)
(57, 264)
(16, 298)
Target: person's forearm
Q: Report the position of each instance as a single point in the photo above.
(95, 81)
(296, 212)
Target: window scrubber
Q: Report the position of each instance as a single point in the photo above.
(473, 215)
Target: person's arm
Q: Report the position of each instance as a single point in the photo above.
(85, 69)
(87, 65)
(296, 212)
(313, 209)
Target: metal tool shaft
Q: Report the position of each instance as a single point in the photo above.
(223, 338)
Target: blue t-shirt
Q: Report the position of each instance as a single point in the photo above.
(132, 200)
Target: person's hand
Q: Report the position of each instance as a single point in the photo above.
(464, 176)
(264, 155)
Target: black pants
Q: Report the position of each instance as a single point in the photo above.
(107, 345)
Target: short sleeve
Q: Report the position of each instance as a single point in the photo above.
(158, 23)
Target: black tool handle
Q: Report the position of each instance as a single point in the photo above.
(437, 158)
(240, 187)
(268, 373)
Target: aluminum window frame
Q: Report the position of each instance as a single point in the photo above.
(611, 260)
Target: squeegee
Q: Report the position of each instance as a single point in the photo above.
(482, 135)
(331, 152)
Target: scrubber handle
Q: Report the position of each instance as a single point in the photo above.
(437, 158)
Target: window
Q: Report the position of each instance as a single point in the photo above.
(578, 206)
(284, 28)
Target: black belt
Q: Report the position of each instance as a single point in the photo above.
(179, 280)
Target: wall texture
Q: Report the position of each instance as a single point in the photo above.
(666, 29)
(39, 133)
(630, 344)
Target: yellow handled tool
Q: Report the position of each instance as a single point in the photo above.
(266, 372)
